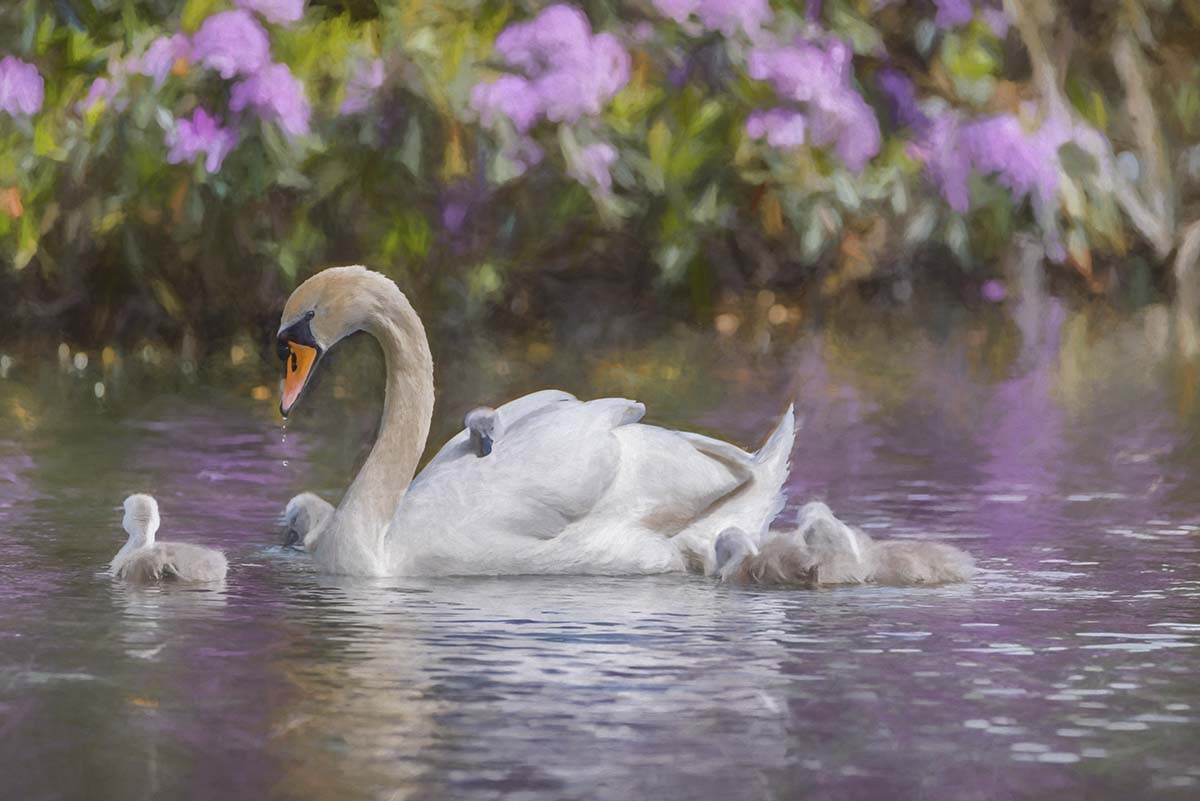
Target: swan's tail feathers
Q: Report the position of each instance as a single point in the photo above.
(775, 460)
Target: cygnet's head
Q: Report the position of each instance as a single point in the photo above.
(481, 424)
(732, 546)
(141, 517)
(304, 516)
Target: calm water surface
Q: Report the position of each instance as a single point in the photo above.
(1064, 462)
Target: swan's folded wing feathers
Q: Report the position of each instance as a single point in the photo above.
(668, 479)
(551, 469)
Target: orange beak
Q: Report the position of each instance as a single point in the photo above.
(296, 371)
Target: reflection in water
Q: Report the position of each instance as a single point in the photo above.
(1067, 667)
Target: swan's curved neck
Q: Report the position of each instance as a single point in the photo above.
(372, 498)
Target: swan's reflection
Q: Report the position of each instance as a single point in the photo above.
(400, 685)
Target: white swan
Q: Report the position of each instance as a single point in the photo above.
(143, 560)
(571, 487)
(823, 550)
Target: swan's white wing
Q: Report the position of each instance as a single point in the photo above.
(668, 479)
(575, 487)
(550, 469)
(507, 416)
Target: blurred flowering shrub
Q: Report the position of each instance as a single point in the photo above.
(170, 167)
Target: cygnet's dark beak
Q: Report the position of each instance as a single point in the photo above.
(291, 538)
(481, 443)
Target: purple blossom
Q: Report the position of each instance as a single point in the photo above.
(946, 161)
(508, 96)
(232, 43)
(362, 86)
(993, 291)
(1023, 162)
(454, 215)
(277, 95)
(902, 98)
(280, 12)
(567, 72)
(816, 74)
(953, 13)
(781, 127)
(726, 16)
(201, 134)
(21, 87)
(102, 90)
(525, 154)
(805, 71)
(592, 167)
(160, 57)
(851, 128)
(997, 20)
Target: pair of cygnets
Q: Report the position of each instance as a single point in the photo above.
(823, 551)
(142, 560)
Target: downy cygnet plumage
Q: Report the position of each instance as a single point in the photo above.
(822, 550)
(142, 560)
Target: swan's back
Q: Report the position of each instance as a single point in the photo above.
(173, 560)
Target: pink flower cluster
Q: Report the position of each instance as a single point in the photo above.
(276, 94)
(1024, 162)
(564, 71)
(726, 16)
(22, 89)
(201, 134)
(279, 12)
(235, 45)
(593, 166)
(824, 109)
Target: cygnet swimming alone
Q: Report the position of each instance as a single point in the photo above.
(142, 560)
(823, 550)
(303, 519)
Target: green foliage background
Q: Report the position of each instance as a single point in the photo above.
(113, 244)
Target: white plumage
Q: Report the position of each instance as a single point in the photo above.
(568, 487)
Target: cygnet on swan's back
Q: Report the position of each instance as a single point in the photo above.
(143, 560)
(823, 550)
(481, 422)
(303, 519)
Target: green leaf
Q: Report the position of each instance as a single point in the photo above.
(196, 11)
(658, 145)
(410, 148)
(28, 244)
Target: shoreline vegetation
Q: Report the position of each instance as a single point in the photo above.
(169, 172)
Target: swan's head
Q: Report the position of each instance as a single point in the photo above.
(323, 310)
(732, 546)
(303, 518)
(141, 517)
